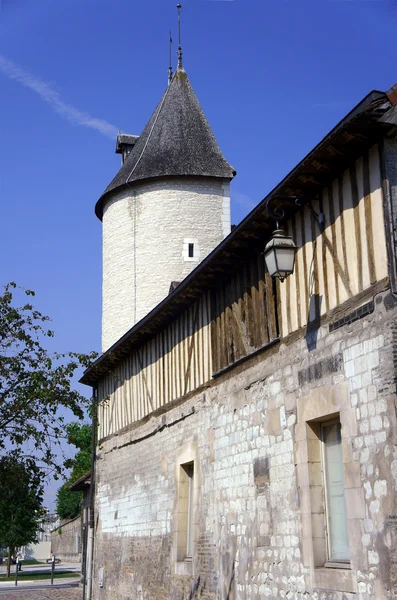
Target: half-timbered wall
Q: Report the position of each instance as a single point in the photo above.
(176, 361)
(243, 314)
(347, 257)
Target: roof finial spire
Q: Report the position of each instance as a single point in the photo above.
(170, 67)
(180, 66)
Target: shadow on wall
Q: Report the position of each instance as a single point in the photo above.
(230, 590)
(227, 581)
(195, 588)
(314, 321)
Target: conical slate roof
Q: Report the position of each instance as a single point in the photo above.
(177, 141)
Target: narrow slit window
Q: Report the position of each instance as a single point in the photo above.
(338, 543)
(186, 512)
(191, 250)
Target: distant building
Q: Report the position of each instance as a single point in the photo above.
(247, 427)
(41, 550)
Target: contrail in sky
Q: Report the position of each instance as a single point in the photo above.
(53, 98)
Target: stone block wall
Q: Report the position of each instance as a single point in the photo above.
(258, 491)
(66, 541)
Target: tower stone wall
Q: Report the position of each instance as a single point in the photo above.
(149, 231)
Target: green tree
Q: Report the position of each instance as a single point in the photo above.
(34, 383)
(68, 503)
(21, 493)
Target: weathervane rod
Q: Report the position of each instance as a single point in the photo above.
(180, 66)
(170, 67)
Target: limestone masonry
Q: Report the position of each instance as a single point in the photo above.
(144, 230)
(255, 534)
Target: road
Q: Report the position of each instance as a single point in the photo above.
(63, 589)
(63, 566)
(75, 593)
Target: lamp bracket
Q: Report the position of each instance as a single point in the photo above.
(278, 213)
(319, 217)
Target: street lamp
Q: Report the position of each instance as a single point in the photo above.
(280, 254)
(280, 250)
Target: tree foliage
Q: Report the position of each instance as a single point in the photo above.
(21, 493)
(68, 503)
(80, 436)
(34, 383)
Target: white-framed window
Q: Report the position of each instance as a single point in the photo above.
(338, 553)
(331, 495)
(189, 469)
(191, 250)
(185, 526)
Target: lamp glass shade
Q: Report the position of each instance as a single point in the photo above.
(271, 261)
(280, 254)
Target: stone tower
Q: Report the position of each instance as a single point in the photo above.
(167, 208)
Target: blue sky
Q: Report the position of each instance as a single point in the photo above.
(273, 78)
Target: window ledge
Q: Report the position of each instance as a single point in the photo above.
(184, 567)
(337, 565)
(338, 579)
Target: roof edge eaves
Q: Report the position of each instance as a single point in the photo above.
(99, 206)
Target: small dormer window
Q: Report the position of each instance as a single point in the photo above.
(190, 250)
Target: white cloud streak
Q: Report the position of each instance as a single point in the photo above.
(243, 200)
(54, 99)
